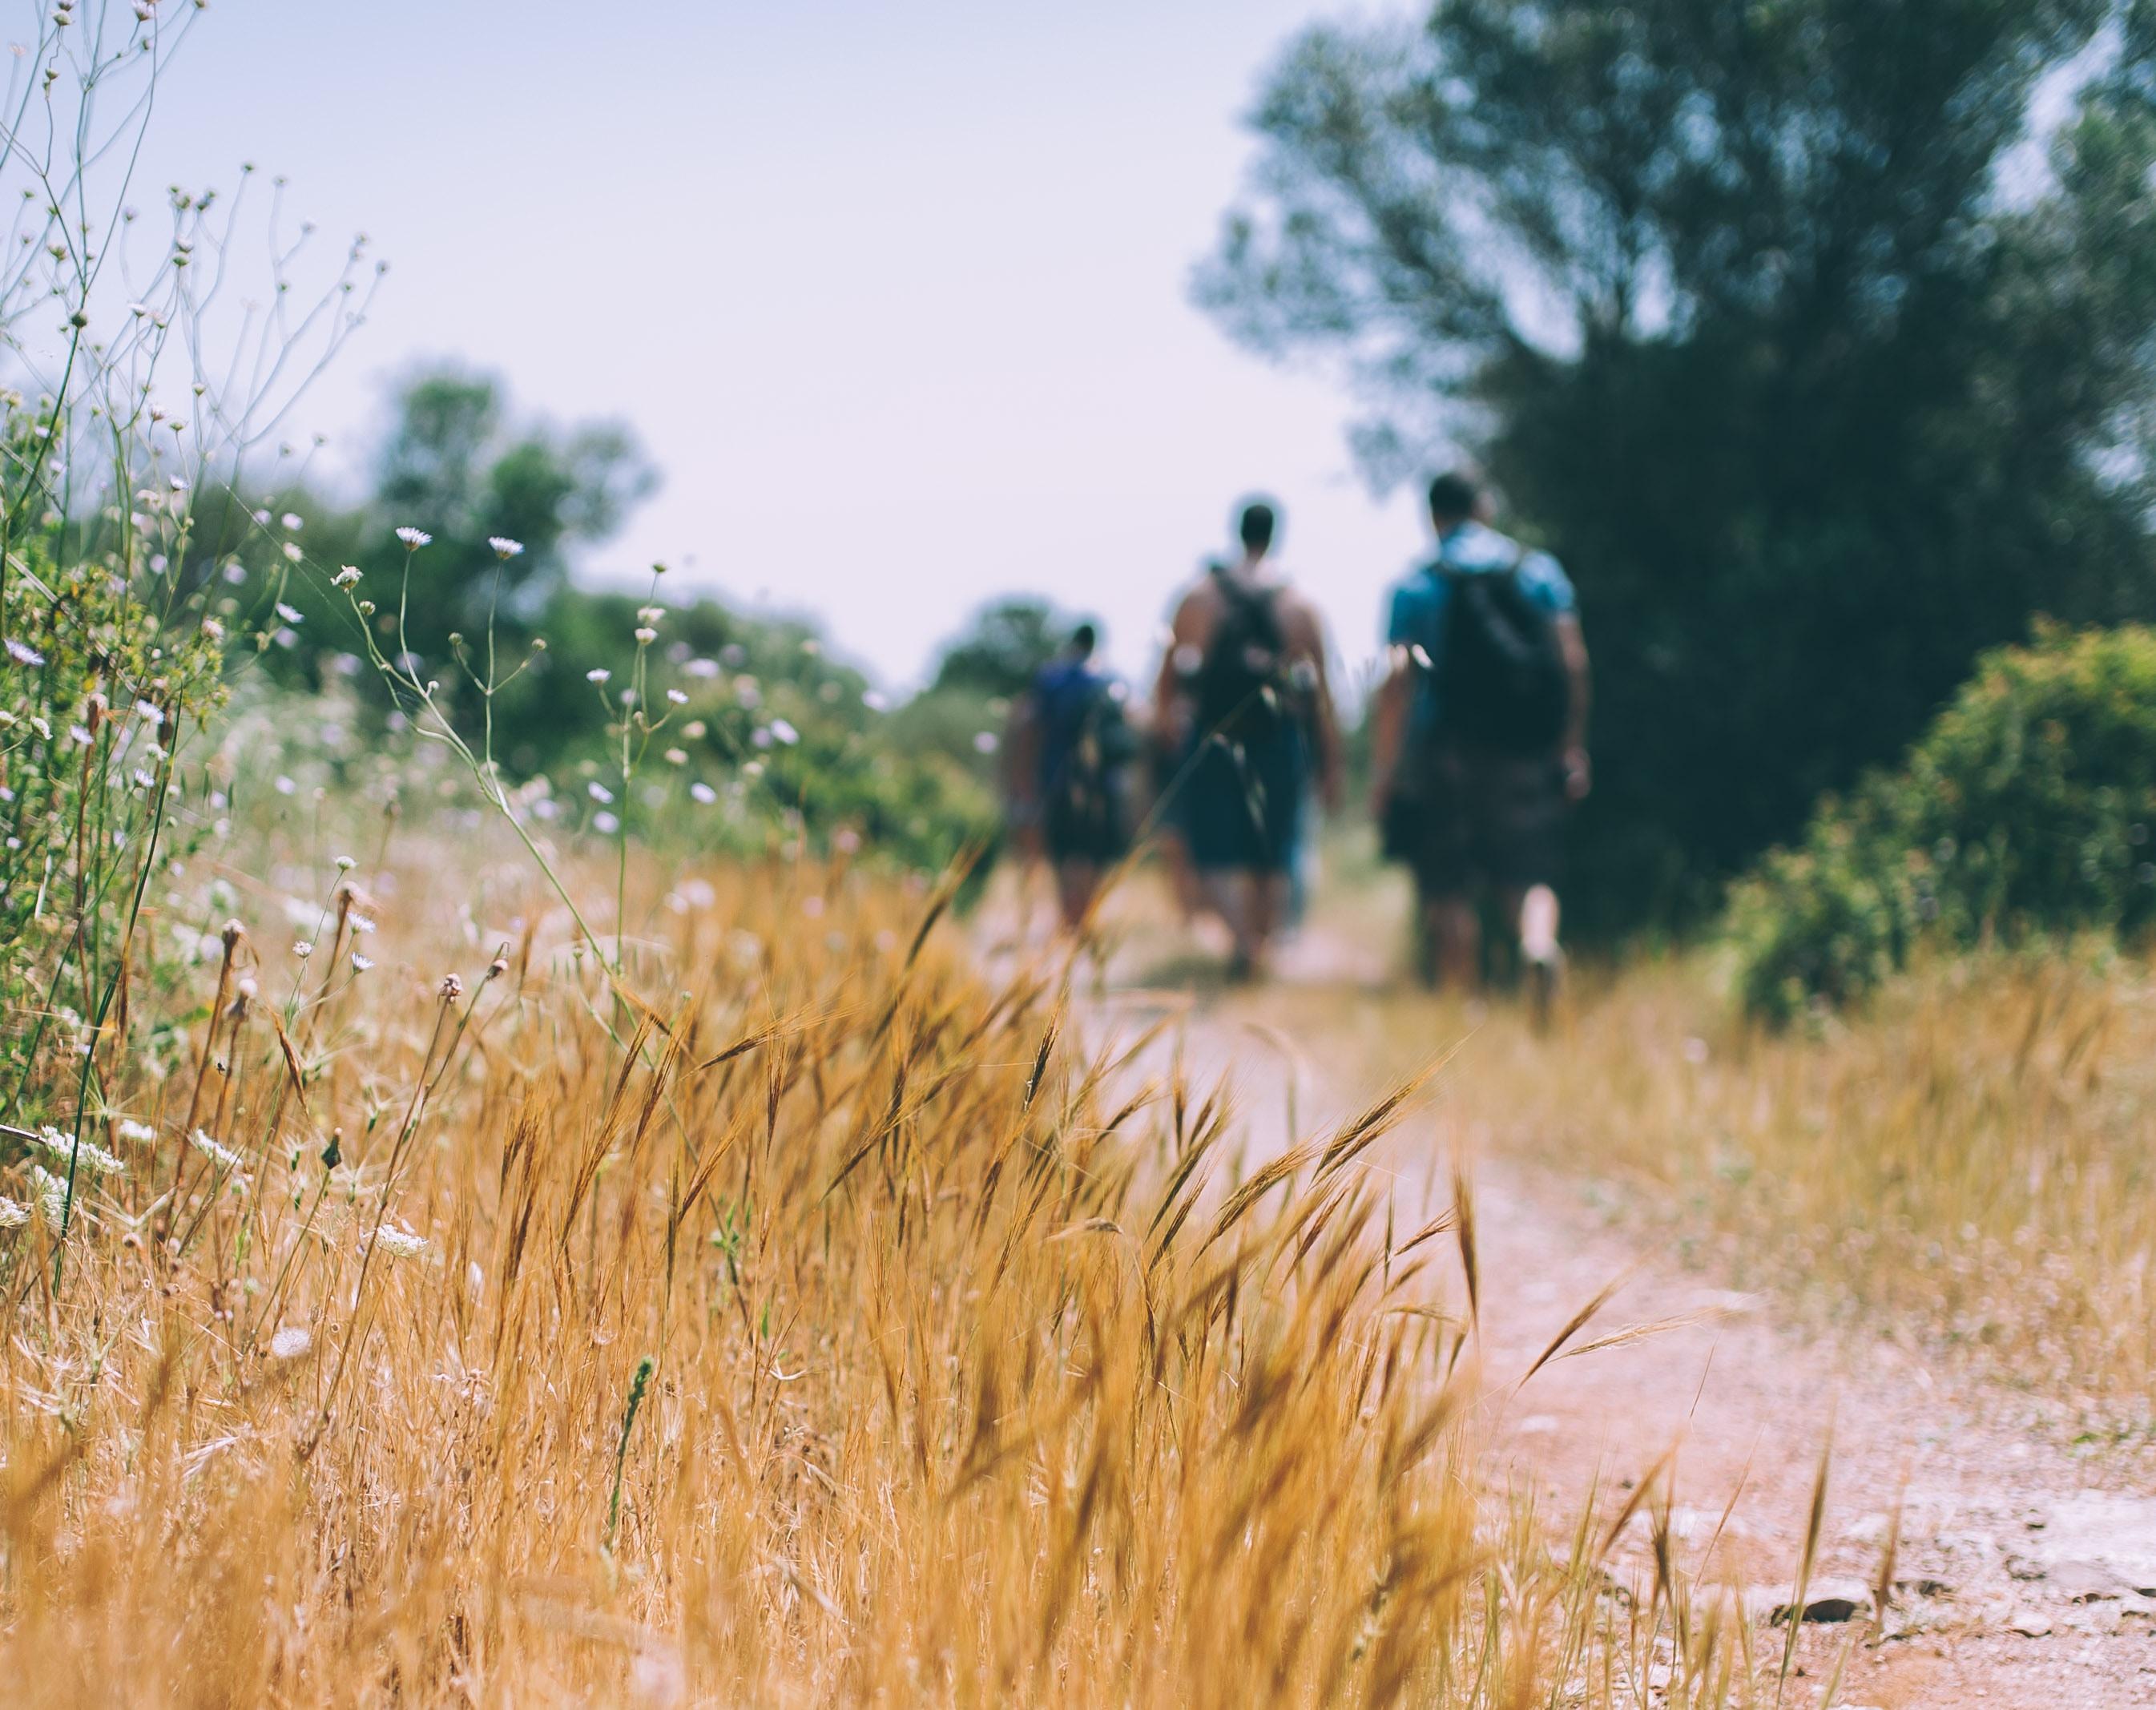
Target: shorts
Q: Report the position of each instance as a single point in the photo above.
(1480, 819)
(1084, 825)
(1243, 803)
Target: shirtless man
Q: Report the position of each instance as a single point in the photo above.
(1244, 696)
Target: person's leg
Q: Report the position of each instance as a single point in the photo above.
(1533, 913)
(1455, 936)
(1076, 879)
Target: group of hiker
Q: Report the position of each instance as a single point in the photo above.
(1478, 745)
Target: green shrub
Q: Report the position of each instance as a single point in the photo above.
(2025, 810)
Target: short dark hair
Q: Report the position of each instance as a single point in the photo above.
(1256, 524)
(1456, 493)
(1084, 638)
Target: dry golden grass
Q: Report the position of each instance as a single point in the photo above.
(1969, 1161)
(836, 1330)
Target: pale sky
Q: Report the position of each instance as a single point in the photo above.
(895, 294)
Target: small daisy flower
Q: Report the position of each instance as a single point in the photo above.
(413, 538)
(24, 654)
(598, 674)
(288, 614)
(503, 548)
(677, 698)
(646, 635)
(347, 578)
(360, 964)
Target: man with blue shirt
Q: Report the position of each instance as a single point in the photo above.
(1479, 738)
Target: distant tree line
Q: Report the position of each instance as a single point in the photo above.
(800, 740)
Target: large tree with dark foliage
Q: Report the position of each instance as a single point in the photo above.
(1815, 335)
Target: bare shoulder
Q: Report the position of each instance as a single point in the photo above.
(1196, 607)
(1300, 621)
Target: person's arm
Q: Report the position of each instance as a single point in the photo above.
(1021, 769)
(1170, 698)
(1578, 775)
(1306, 634)
(1388, 726)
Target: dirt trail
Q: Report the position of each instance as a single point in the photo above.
(2024, 1578)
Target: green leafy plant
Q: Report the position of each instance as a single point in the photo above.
(2028, 809)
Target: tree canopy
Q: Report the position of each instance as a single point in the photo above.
(1815, 335)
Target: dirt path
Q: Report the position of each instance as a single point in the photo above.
(2026, 1576)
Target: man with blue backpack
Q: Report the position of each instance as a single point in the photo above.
(1479, 739)
(1071, 749)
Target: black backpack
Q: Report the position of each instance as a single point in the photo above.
(1503, 683)
(1241, 687)
(1090, 749)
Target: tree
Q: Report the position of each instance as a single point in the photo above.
(1007, 642)
(1772, 319)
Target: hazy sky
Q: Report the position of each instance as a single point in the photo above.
(895, 294)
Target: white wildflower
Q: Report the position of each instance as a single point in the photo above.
(38, 724)
(24, 654)
(290, 1343)
(213, 630)
(360, 964)
(413, 538)
(292, 553)
(51, 1192)
(400, 1243)
(361, 923)
(598, 674)
(304, 948)
(606, 824)
(703, 793)
(288, 614)
(129, 1129)
(505, 548)
(150, 713)
(677, 757)
(645, 635)
(81, 734)
(93, 1156)
(347, 578)
(12, 1215)
(224, 1157)
(784, 731)
(292, 519)
(598, 792)
(677, 698)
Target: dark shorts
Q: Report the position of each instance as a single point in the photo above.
(1241, 805)
(1481, 818)
(1083, 825)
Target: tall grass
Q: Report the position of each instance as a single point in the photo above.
(848, 1330)
(1967, 1162)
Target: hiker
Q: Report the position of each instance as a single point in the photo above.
(1070, 748)
(1244, 696)
(1478, 738)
